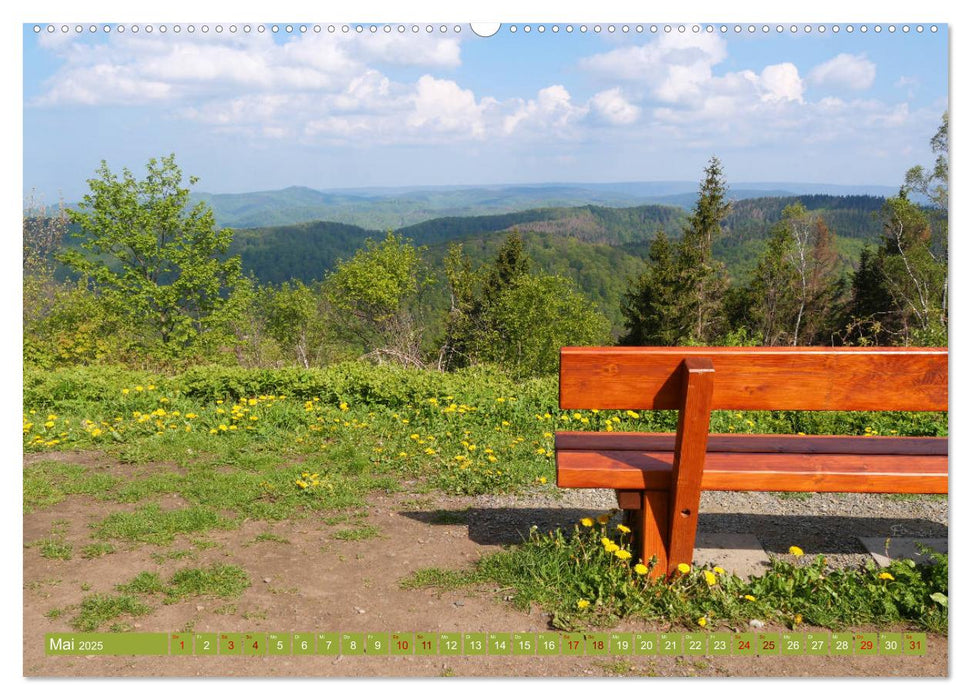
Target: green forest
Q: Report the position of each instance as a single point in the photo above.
(139, 274)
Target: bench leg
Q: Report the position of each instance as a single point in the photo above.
(646, 514)
(689, 460)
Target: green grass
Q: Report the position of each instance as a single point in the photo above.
(150, 524)
(444, 579)
(98, 609)
(217, 580)
(359, 427)
(48, 482)
(96, 550)
(364, 532)
(581, 584)
(56, 549)
(146, 582)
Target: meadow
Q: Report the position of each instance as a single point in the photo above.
(239, 445)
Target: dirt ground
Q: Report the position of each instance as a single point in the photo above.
(315, 582)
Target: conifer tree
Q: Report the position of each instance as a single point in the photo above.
(703, 279)
(650, 305)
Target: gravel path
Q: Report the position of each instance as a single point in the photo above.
(828, 523)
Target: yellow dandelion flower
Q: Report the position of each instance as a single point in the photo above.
(886, 576)
(611, 548)
(492, 458)
(632, 414)
(252, 402)
(125, 392)
(581, 604)
(605, 541)
(542, 480)
(139, 388)
(640, 569)
(718, 570)
(222, 426)
(702, 622)
(623, 528)
(586, 522)
(684, 568)
(795, 551)
(750, 598)
(343, 406)
(622, 554)
(797, 620)
(710, 578)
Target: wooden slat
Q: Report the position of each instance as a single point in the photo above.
(728, 471)
(689, 458)
(629, 500)
(728, 442)
(820, 379)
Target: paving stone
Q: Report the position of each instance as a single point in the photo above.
(741, 554)
(902, 548)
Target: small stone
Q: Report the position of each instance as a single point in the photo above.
(200, 607)
(360, 611)
(459, 603)
(757, 624)
(267, 579)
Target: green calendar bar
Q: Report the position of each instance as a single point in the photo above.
(376, 644)
(450, 643)
(110, 644)
(697, 644)
(914, 644)
(426, 644)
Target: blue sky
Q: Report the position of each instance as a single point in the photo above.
(265, 111)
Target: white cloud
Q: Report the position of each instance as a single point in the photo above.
(441, 105)
(612, 107)
(552, 110)
(847, 71)
(345, 89)
(673, 68)
(780, 83)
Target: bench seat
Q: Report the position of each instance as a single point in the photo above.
(659, 478)
(733, 462)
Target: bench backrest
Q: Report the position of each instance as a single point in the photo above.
(810, 379)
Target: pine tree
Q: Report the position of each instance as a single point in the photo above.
(704, 280)
(511, 261)
(650, 306)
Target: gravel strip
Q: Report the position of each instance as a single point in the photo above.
(819, 523)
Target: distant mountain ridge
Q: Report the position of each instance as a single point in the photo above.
(383, 208)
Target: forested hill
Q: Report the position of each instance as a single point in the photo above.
(591, 224)
(580, 236)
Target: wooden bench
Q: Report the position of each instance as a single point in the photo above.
(659, 477)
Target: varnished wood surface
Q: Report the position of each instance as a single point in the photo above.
(690, 445)
(734, 442)
(860, 379)
(751, 471)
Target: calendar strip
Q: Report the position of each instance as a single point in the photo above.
(259, 644)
